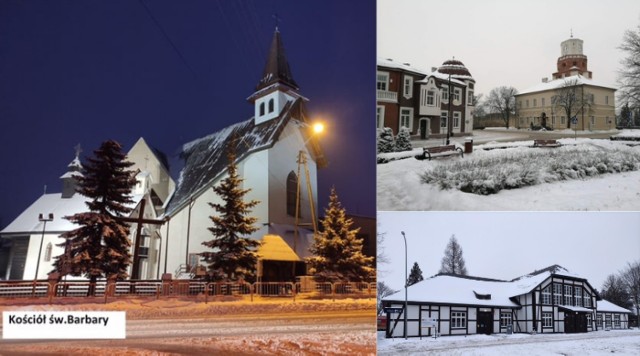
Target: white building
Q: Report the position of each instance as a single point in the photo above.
(551, 300)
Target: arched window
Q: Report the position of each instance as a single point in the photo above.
(261, 109)
(47, 252)
(292, 188)
(270, 106)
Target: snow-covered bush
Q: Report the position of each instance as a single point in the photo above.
(403, 140)
(525, 167)
(385, 140)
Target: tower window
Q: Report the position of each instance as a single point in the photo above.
(292, 192)
(270, 106)
(261, 109)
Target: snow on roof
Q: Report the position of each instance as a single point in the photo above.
(27, 221)
(607, 306)
(558, 83)
(390, 63)
(451, 289)
(442, 76)
(274, 248)
(576, 309)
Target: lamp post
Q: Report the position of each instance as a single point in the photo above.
(449, 114)
(405, 285)
(44, 220)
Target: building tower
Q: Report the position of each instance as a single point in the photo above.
(572, 61)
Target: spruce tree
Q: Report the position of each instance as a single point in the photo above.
(232, 256)
(453, 262)
(415, 275)
(385, 140)
(100, 246)
(337, 250)
(403, 140)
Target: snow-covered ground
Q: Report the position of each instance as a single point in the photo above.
(618, 342)
(400, 186)
(190, 327)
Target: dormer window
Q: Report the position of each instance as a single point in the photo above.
(270, 105)
(261, 109)
(482, 296)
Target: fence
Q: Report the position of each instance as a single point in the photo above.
(182, 288)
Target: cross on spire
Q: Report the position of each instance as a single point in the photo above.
(78, 150)
(277, 20)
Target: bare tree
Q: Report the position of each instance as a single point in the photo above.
(571, 99)
(615, 291)
(502, 101)
(631, 279)
(383, 291)
(629, 75)
(453, 262)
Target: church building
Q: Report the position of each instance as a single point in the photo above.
(29, 243)
(591, 103)
(277, 154)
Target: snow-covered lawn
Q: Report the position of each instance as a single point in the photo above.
(576, 176)
(618, 342)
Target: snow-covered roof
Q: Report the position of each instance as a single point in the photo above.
(441, 76)
(607, 306)
(558, 83)
(449, 289)
(27, 221)
(206, 157)
(576, 308)
(455, 289)
(390, 63)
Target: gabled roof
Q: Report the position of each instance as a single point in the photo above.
(277, 68)
(206, 157)
(274, 248)
(607, 306)
(559, 83)
(28, 222)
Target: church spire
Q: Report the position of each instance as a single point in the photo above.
(69, 178)
(277, 68)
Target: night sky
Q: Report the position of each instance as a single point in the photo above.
(82, 72)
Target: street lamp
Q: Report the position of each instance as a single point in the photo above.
(449, 114)
(406, 310)
(44, 220)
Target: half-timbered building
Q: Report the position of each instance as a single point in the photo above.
(550, 300)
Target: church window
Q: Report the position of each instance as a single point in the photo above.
(47, 252)
(292, 195)
(271, 105)
(261, 109)
(382, 81)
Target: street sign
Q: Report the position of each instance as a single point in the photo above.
(393, 310)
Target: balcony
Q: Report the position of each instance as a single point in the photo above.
(387, 96)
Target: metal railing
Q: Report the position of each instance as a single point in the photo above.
(183, 288)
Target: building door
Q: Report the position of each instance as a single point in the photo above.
(485, 322)
(575, 322)
(424, 129)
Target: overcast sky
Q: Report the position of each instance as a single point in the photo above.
(505, 42)
(506, 245)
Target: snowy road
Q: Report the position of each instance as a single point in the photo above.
(320, 333)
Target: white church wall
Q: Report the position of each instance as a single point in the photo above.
(255, 171)
(31, 262)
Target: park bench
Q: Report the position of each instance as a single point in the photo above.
(439, 151)
(546, 143)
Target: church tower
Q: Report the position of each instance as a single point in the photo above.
(572, 61)
(276, 87)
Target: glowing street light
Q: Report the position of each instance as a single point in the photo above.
(318, 127)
